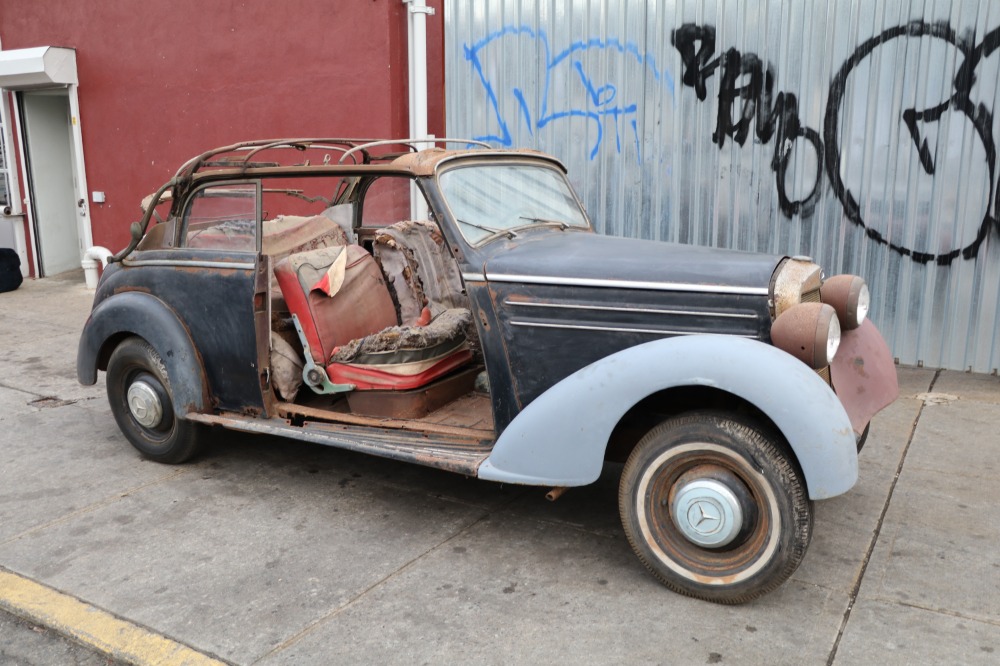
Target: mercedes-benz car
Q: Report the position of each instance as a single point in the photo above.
(454, 308)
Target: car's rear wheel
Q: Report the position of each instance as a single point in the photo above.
(715, 507)
(142, 404)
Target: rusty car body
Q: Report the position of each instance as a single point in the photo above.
(454, 308)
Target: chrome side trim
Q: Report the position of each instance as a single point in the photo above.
(630, 284)
(473, 277)
(608, 308)
(236, 266)
(616, 329)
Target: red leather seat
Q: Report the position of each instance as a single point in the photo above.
(359, 307)
(353, 332)
(404, 357)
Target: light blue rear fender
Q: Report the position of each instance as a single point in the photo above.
(560, 438)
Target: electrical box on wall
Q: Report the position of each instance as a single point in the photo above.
(97, 197)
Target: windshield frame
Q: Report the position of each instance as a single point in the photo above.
(509, 232)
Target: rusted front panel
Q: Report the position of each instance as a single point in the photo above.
(864, 375)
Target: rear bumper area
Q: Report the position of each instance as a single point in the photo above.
(863, 375)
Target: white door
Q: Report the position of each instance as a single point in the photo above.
(51, 181)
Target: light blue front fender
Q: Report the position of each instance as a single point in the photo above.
(560, 438)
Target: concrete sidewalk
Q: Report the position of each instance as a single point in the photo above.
(266, 551)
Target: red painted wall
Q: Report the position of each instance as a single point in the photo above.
(163, 80)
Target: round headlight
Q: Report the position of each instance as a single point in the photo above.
(849, 296)
(832, 339)
(864, 302)
(810, 332)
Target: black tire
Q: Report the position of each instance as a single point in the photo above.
(692, 467)
(165, 439)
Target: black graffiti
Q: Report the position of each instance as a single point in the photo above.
(746, 81)
(979, 116)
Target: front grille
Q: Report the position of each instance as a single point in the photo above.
(825, 374)
(811, 296)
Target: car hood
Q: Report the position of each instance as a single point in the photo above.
(548, 256)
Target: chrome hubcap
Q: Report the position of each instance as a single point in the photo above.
(707, 513)
(145, 404)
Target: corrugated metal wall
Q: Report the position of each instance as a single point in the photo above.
(860, 132)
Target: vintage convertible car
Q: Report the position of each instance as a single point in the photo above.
(454, 308)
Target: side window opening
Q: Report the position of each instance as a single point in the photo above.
(162, 224)
(222, 217)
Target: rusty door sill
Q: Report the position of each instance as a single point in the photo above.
(448, 452)
(435, 430)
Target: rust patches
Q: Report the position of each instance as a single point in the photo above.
(858, 365)
(128, 288)
(204, 270)
(425, 162)
(289, 410)
(864, 374)
(802, 332)
(556, 493)
(794, 278)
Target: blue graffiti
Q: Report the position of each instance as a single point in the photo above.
(601, 100)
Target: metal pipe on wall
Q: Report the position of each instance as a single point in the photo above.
(417, 13)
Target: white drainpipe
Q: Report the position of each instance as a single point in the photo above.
(91, 258)
(417, 13)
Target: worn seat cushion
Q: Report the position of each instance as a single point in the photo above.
(404, 357)
(349, 322)
(406, 344)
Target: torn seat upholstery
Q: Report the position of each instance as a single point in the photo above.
(349, 321)
(283, 236)
(419, 269)
(413, 355)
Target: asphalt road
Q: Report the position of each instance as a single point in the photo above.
(25, 644)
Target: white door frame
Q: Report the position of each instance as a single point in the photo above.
(38, 69)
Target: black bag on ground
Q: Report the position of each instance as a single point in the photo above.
(10, 270)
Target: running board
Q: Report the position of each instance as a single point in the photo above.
(454, 454)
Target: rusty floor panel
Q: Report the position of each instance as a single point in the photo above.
(470, 411)
(465, 418)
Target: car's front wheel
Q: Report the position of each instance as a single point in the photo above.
(142, 404)
(715, 507)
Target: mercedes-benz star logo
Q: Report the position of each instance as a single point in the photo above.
(704, 517)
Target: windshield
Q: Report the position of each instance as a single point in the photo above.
(488, 200)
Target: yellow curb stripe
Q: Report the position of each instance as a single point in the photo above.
(93, 627)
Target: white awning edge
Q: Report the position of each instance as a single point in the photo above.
(37, 67)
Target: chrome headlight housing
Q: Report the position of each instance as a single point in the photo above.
(849, 296)
(808, 331)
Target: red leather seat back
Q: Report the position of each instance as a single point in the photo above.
(360, 307)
